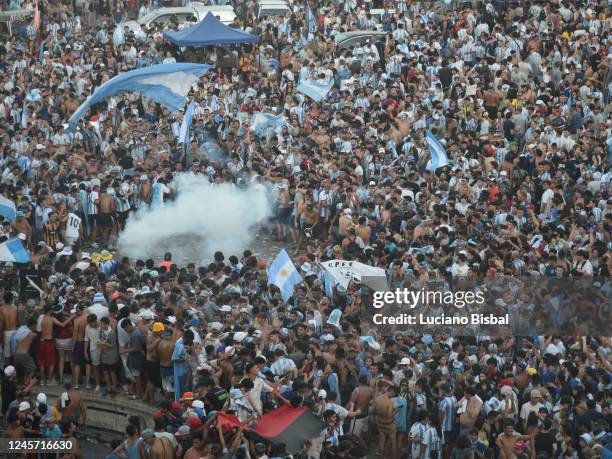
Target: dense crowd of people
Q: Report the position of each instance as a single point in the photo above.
(518, 95)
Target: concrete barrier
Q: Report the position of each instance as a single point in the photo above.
(105, 415)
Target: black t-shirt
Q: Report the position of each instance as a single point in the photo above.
(9, 393)
(215, 399)
(508, 127)
(544, 442)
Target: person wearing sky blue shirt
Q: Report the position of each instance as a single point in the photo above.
(447, 417)
(179, 361)
(158, 191)
(401, 414)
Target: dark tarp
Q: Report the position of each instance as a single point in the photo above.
(209, 31)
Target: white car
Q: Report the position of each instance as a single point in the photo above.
(265, 8)
(162, 16)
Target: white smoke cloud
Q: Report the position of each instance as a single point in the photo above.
(199, 221)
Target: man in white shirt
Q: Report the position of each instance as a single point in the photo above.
(532, 406)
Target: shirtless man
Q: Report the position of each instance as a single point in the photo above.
(9, 320)
(344, 222)
(78, 343)
(46, 355)
(307, 218)
(198, 450)
(23, 360)
(153, 376)
(384, 409)
(160, 447)
(165, 346)
(15, 429)
(284, 210)
(106, 217)
(22, 225)
(72, 405)
(508, 440)
(363, 231)
(361, 398)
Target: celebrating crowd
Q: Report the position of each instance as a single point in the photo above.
(516, 93)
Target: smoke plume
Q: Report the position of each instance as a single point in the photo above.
(199, 221)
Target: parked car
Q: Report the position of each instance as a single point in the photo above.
(162, 16)
(359, 37)
(265, 8)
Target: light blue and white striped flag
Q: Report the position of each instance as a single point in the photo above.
(261, 121)
(7, 208)
(316, 90)
(186, 124)
(284, 275)
(439, 158)
(14, 251)
(166, 84)
(25, 114)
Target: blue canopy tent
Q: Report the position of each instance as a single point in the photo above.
(209, 31)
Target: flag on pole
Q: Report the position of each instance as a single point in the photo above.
(14, 251)
(7, 208)
(439, 158)
(185, 125)
(284, 275)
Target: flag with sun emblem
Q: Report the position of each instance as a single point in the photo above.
(283, 274)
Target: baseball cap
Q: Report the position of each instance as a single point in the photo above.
(147, 315)
(158, 327)
(188, 396)
(147, 433)
(405, 361)
(183, 431)
(194, 422)
(41, 398)
(23, 406)
(197, 404)
(239, 336)
(8, 371)
(322, 393)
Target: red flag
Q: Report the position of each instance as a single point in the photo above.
(36, 16)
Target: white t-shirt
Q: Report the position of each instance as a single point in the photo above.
(99, 310)
(73, 226)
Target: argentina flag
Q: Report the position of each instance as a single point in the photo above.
(262, 121)
(185, 125)
(439, 157)
(283, 274)
(14, 251)
(7, 208)
(315, 89)
(166, 84)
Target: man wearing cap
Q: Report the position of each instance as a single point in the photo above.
(532, 406)
(10, 387)
(152, 371)
(159, 447)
